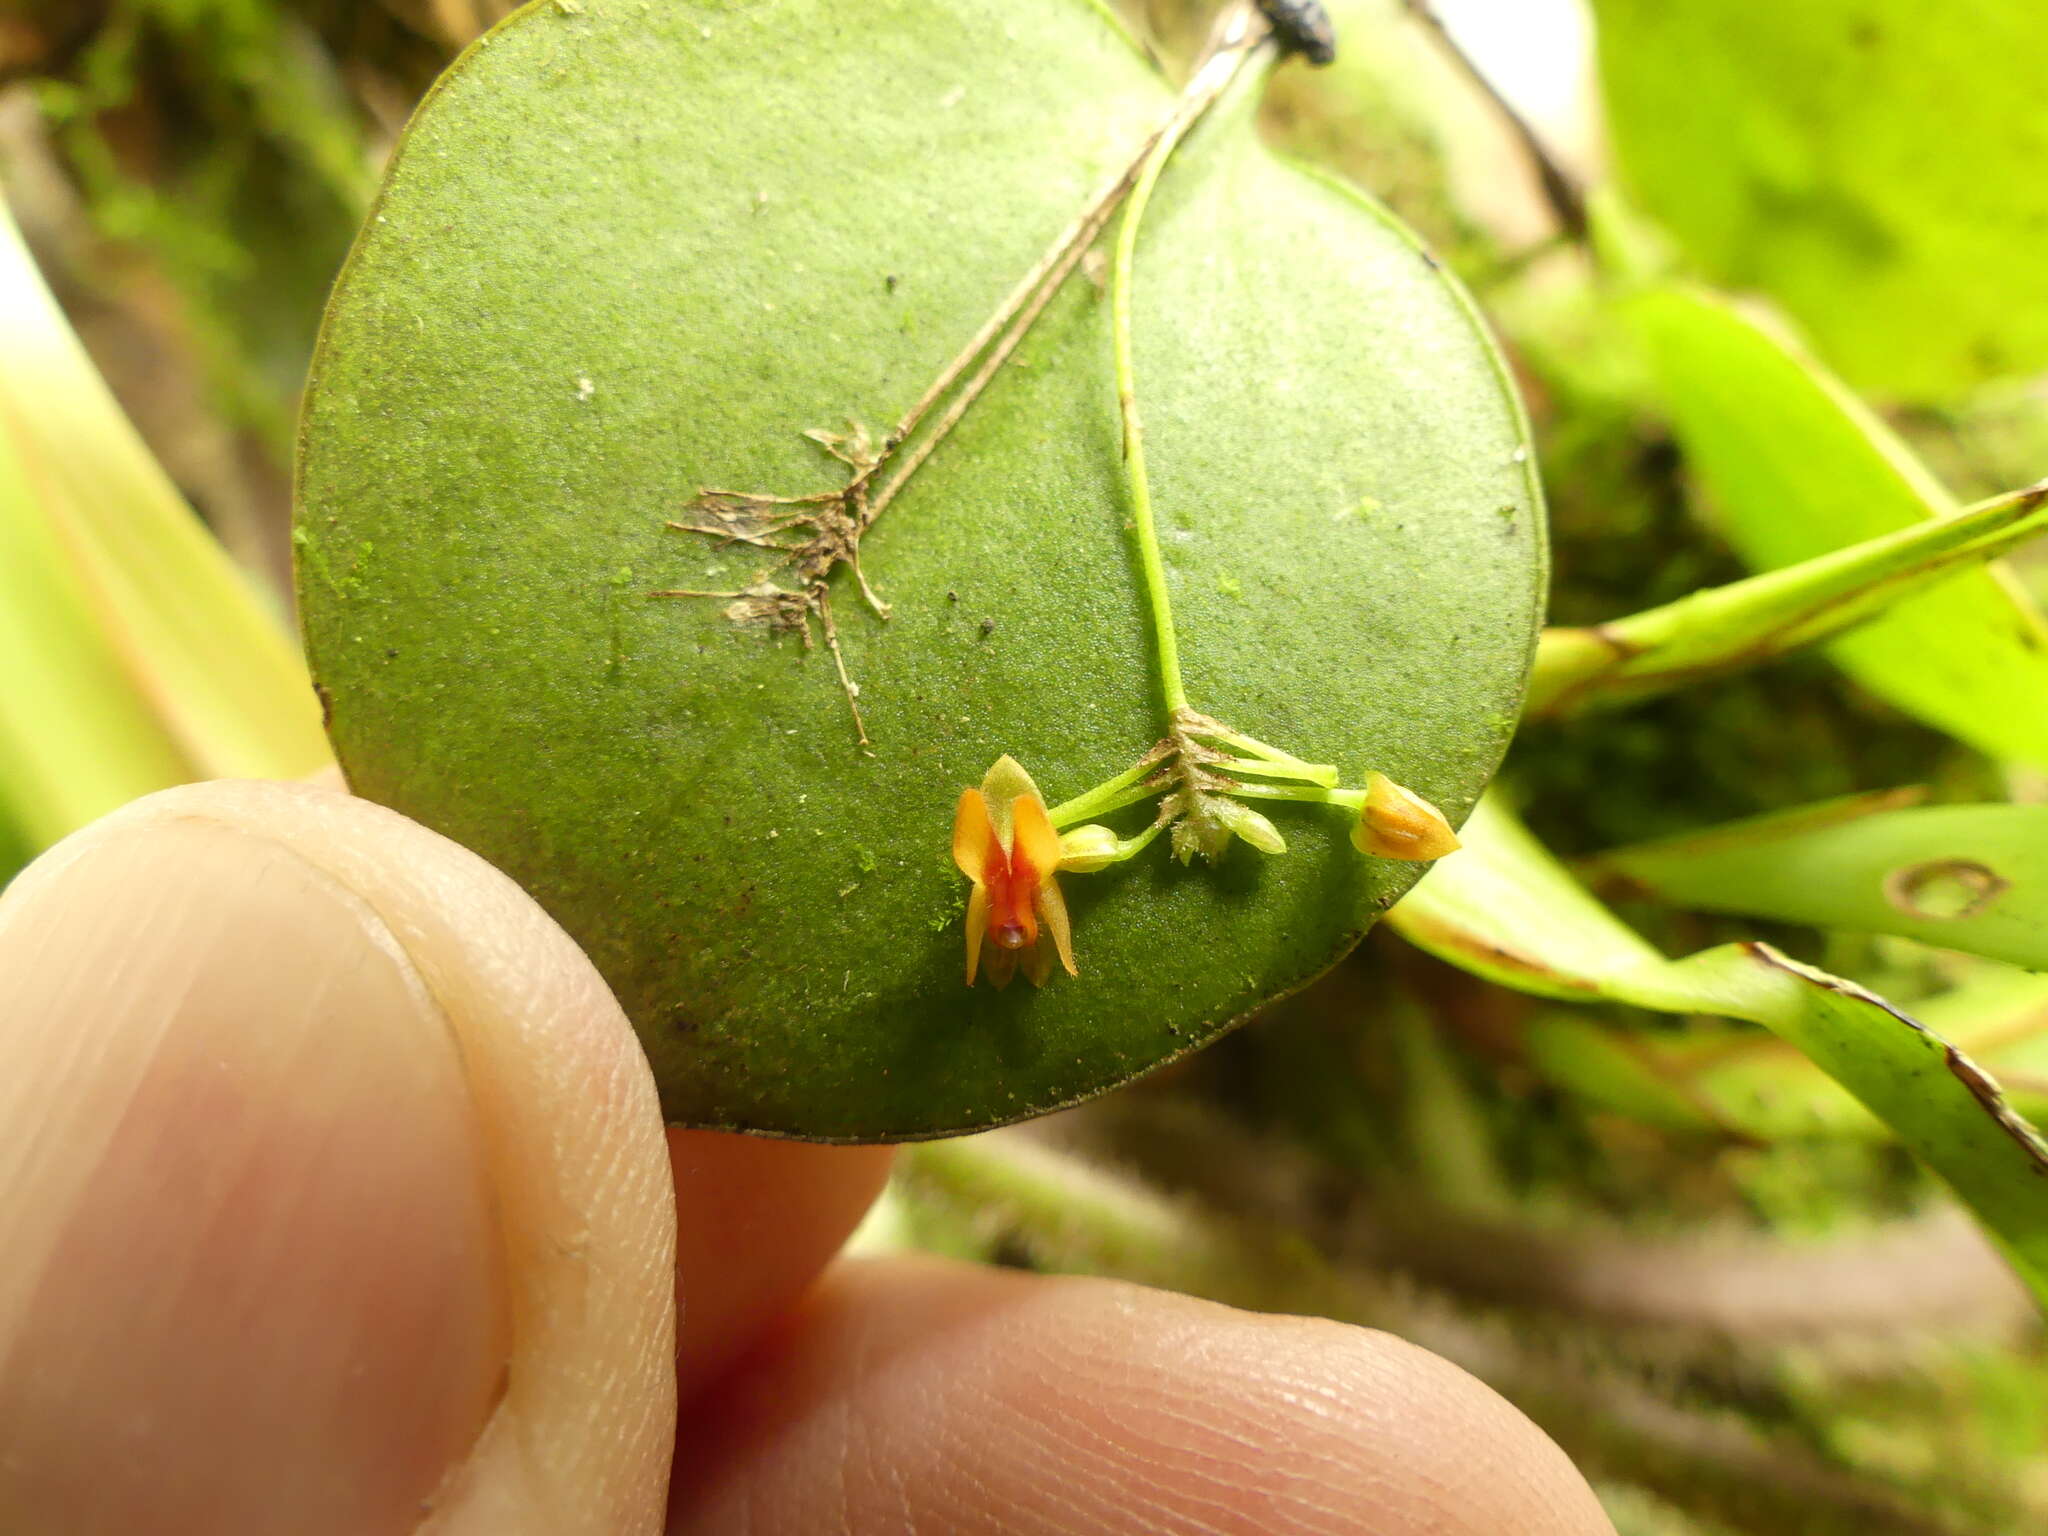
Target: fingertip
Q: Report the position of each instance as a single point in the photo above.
(326, 954)
(968, 1400)
(252, 1248)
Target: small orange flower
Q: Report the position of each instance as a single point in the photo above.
(1005, 844)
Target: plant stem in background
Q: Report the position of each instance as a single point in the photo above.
(1749, 622)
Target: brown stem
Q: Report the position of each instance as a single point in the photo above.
(847, 685)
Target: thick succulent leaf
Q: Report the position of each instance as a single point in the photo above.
(1968, 877)
(1796, 468)
(1874, 165)
(626, 252)
(1747, 623)
(1503, 908)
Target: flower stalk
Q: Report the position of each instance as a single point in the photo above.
(1201, 772)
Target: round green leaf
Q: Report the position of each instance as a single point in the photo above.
(626, 252)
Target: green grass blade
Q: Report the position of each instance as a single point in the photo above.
(192, 638)
(1505, 909)
(1747, 623)
(76, 739)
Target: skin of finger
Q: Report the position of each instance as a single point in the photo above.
(915, 1395)
(784, 1206)
(243, 1202)
(566, 1129)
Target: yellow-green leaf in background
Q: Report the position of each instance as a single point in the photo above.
(1505, 909)
(76, 739)
(1796, 468)
(137, 654)
(1729, 1081)
(1873, 165)
(1968, 877)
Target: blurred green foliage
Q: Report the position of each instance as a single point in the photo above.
(217, 136)
(1474, 1163)
(1873, 165)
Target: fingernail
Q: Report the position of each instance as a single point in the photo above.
(252, 1277)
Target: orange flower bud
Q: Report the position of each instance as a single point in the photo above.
(1397, 823)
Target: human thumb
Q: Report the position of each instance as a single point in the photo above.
(333, 1191)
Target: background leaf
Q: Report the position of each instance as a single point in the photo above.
(133, 653)
(1796, 467)
(76, 740)
(623, 255)
(192, 637)
(1504, 909)
(1747, 623)
(1968, 877)
(1873, 165)
(1736, 1083)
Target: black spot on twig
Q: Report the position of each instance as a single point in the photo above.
(1303, 27)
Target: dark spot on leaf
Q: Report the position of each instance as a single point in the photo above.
(1831, 214)
(1659, 459)
(1012, 1251)
(1942, 890)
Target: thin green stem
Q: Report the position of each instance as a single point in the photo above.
(1112, 794)
(1315, 773)
(1130, 847)
(1135, 795)
(1152, 568)
(1352, 800)
(1307, 773)
(1201, 93)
